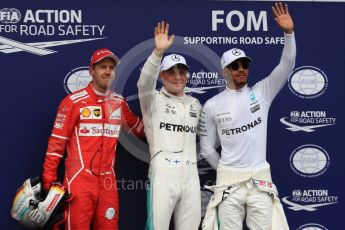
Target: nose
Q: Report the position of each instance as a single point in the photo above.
(108, 70)
(240, 67)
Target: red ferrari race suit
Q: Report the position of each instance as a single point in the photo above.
(88, 126)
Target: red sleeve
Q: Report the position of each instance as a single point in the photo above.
(133, 124)
(64, 124)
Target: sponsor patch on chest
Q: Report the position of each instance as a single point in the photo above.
(253, 98)
(91, 113)
(223, 117)
(255, 108)
(170, 109)
(95, 130)
(193, 112)
(116, 114)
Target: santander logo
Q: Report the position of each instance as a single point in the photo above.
(84, 130)
(107, 130)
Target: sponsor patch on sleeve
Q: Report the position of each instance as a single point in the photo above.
(78, 95)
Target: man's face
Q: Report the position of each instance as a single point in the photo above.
(174, 79)
(103, 74)
(238, 72)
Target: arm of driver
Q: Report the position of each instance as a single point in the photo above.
(64, 125)
(147, 83)
(208, 136)
(271, 85)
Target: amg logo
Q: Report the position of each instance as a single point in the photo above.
(255, 108)
(244, 128)
(192, 114)
(177, 128)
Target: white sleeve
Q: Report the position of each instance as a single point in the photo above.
(208, 136)
(147, 83)
(271, 85)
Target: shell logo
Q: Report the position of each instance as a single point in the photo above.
(86, 112)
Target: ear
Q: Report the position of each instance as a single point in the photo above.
(226, 73)
(161, 76)
(91, 71)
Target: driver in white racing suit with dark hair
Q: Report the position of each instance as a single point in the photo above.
(238, 116)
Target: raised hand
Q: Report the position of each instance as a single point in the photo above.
(282, 17)
(162, 39)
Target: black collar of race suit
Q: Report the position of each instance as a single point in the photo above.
(166, 95)
(169, 95)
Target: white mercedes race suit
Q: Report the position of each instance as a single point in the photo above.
(239, 119)
(257, 184)
(170, 126)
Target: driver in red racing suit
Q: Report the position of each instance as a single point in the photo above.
(87, 125)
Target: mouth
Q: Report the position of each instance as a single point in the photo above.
(107, 78)
(179, 85)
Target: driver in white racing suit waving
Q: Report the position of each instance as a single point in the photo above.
(238, 116)
(170, 119)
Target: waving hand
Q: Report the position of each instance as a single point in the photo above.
(282, 17)
(162, 39)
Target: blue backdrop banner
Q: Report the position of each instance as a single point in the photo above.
(46, 46)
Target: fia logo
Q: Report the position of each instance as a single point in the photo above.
(9, 15)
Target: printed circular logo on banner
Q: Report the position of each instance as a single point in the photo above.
(9, 15)
(77, 79)
(309, 160)
(311, 226)
(110, 213)
(308, 82)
